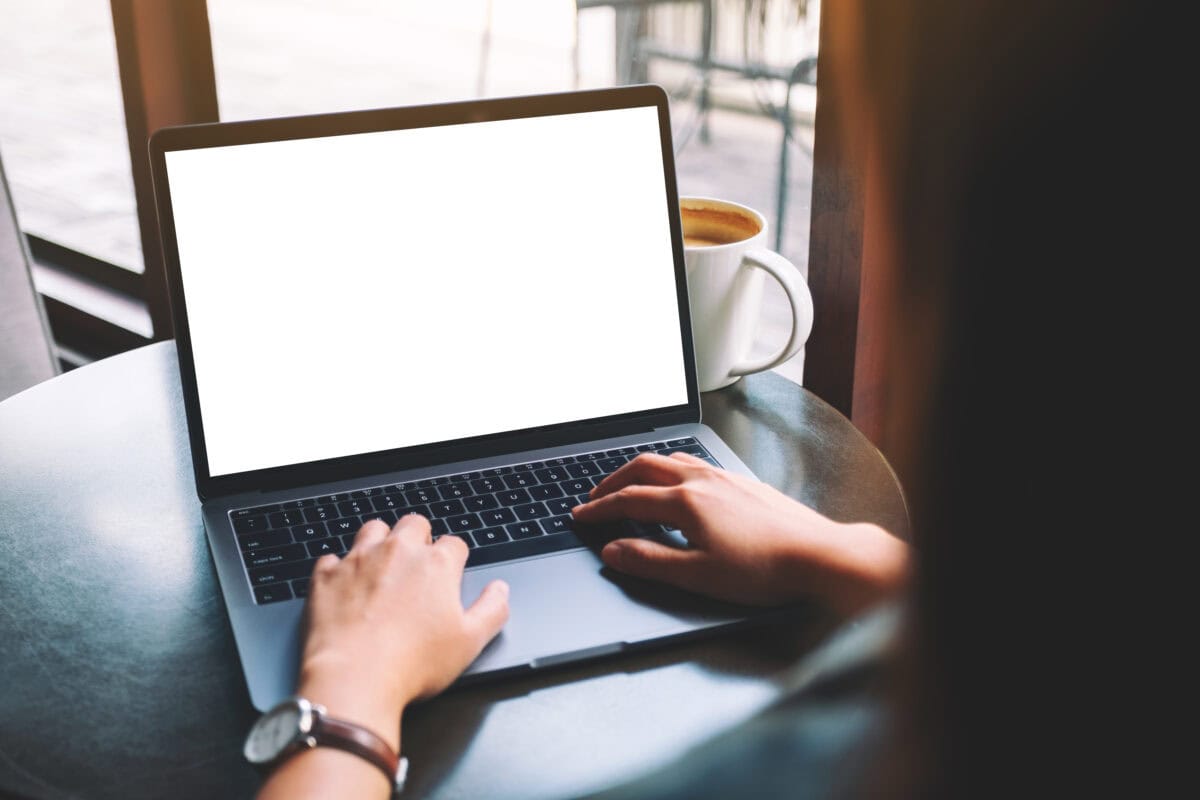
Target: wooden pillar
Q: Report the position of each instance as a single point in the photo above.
(164, 53)
(842, 362)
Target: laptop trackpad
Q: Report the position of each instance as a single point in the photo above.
(570, 606)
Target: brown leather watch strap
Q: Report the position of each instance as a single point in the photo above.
(356, 739)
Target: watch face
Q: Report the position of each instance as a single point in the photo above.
(273, 732)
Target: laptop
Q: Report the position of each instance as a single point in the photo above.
(472, 311)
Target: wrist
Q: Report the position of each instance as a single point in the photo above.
(346, 696)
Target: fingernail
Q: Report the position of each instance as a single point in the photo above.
(612, 551)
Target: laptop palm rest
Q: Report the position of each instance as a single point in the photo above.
(561, 611)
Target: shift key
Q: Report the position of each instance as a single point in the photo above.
(282, 572)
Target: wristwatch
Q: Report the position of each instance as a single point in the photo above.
(296, 725)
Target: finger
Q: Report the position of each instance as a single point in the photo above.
(413, 528)
(639, 503)
(688, 458)
(325, 563)
(647, 559)
(457, 545)
(487, 614)
(648, 468)
(371, 533)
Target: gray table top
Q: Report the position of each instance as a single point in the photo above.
(119, 676)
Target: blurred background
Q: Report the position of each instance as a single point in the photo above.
(741, 74)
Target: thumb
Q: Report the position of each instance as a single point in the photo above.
(647, 559)
(487, 614)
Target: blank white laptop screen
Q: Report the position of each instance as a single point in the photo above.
(356, 293)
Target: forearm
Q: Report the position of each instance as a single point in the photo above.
(861, 565)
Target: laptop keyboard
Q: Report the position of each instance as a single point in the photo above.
(501, 513)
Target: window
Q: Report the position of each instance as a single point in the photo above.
(62, 130)
(280, 57)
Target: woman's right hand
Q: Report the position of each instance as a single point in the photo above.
(748, 543)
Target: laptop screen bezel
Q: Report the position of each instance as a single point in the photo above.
(219, 134)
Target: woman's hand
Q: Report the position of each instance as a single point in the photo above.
(748, 542)
(386, 625)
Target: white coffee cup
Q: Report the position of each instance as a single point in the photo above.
(726, 257)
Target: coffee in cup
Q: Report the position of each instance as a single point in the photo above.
(726, 258)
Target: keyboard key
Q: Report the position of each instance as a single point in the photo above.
(464, 476)
(272, 593)
(274, 555)
(333, 499)
(352, 507)
(348, 541)
(388, 517)
(621, 451)
(464, 522)
(577, 486)
(691, 449)
(430, 483)
(309, 531)
(497, 472)
(440, 528)
(259, 541)
(512, 497)
(680, 442)
(446, 508)
(552, 474)
(490, 536)
(300, 587)
(249, 524)
(466, 537)
(424, 496)
(361, 493)
(388, 502)
(285, 519)
(312, 501)
(256, 511)
(584, 470)
(546, 492)
(558, 462)
(422, 510)
(498, 516)
(659, 446)
(581, 499)
(612, 464)
(487, 485)
(325, 546)
(523, 468)
(560, 524)
(644, 448)
(519, 480)
(537, 545)
(524, 530)
(344, 525)
(590, 457)
(281, 572)
(531, 511)
(480, 502)
(321, 513)
(454, 491)
(561, 505)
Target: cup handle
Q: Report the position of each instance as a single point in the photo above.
(796, 288)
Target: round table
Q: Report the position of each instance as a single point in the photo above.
(120, 678)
